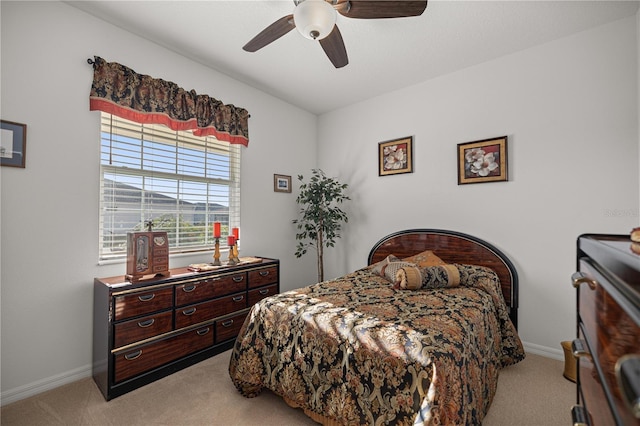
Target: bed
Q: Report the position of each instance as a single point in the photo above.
(417, 337)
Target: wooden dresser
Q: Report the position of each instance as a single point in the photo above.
(608, 331)
(146, 330)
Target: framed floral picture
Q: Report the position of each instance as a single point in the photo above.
(482, 161)
(395, 156)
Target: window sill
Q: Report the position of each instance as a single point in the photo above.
(123, 260)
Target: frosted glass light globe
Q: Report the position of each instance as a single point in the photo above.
(314, 19)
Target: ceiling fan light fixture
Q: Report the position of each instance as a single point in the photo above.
(314, 19)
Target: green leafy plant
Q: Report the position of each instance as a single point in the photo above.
(321, 217)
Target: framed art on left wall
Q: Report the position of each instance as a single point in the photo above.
(13, 143)
(281, 183)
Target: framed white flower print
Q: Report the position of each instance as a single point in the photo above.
(395, 156)
(482, 161)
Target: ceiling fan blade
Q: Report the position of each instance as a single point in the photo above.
(333, 46)
(376, 9)
(271, 33)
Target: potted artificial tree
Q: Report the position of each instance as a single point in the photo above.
(320, 215)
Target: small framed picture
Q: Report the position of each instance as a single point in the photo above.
(13, 143)
(281, 183)
(395, 156)
(482, 161)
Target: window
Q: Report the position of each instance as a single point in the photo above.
(179, 182)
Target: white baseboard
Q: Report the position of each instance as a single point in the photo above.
(26, 391)
(544, 351)
(31, 389)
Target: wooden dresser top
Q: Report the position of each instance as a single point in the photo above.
(616, 255)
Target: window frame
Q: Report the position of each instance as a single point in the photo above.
(224, 188)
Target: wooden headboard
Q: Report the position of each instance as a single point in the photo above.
(453, 247)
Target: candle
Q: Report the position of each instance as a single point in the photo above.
(231, 240)
(236, 233)
(216, 229)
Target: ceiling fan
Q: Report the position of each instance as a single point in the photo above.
(316, 20)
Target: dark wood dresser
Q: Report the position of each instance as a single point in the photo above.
(608, 331)
(146, 330)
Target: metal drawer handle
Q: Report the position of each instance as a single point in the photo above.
(628, 377)
(146, 323)
(228, 323)
(203, 331)
(579, 278)
(578, 349)
(189, 289)
(238, 278)
(238, 298)
(265, 291)
(190, 311)
(146, 297)
(579, 416)
(134, 355)
(264, 273)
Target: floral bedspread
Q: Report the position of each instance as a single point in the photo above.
(358, 351)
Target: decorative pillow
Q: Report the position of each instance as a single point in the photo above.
(414, 278)
(425, 259)
(390, 270)
(408, 278)
(388, 267)
(378, 267)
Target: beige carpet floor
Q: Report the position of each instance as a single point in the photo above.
(531, 393)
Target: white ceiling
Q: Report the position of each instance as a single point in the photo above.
(384, 54)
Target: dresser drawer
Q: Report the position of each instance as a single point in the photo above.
(142, 328)
(153, 355)
(592, 395)
(204, 311)
(260, 293)
(142, 303)
(589, 301)
(228, 284)
(193, 292)
(611, 333)
(229, 328)
(260, 277)
(216, 286)
(160, 265)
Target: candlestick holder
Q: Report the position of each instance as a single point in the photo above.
(235, 252)
(232, 259)
(216, 253)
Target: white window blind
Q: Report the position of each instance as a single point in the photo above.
(180, 182)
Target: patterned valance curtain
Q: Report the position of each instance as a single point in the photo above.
(120, 91)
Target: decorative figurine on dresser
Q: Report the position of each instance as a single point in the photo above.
(607, 347)
(154, 321)
(147, 254)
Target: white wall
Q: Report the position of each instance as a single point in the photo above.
(570, 111)
(49, 210)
